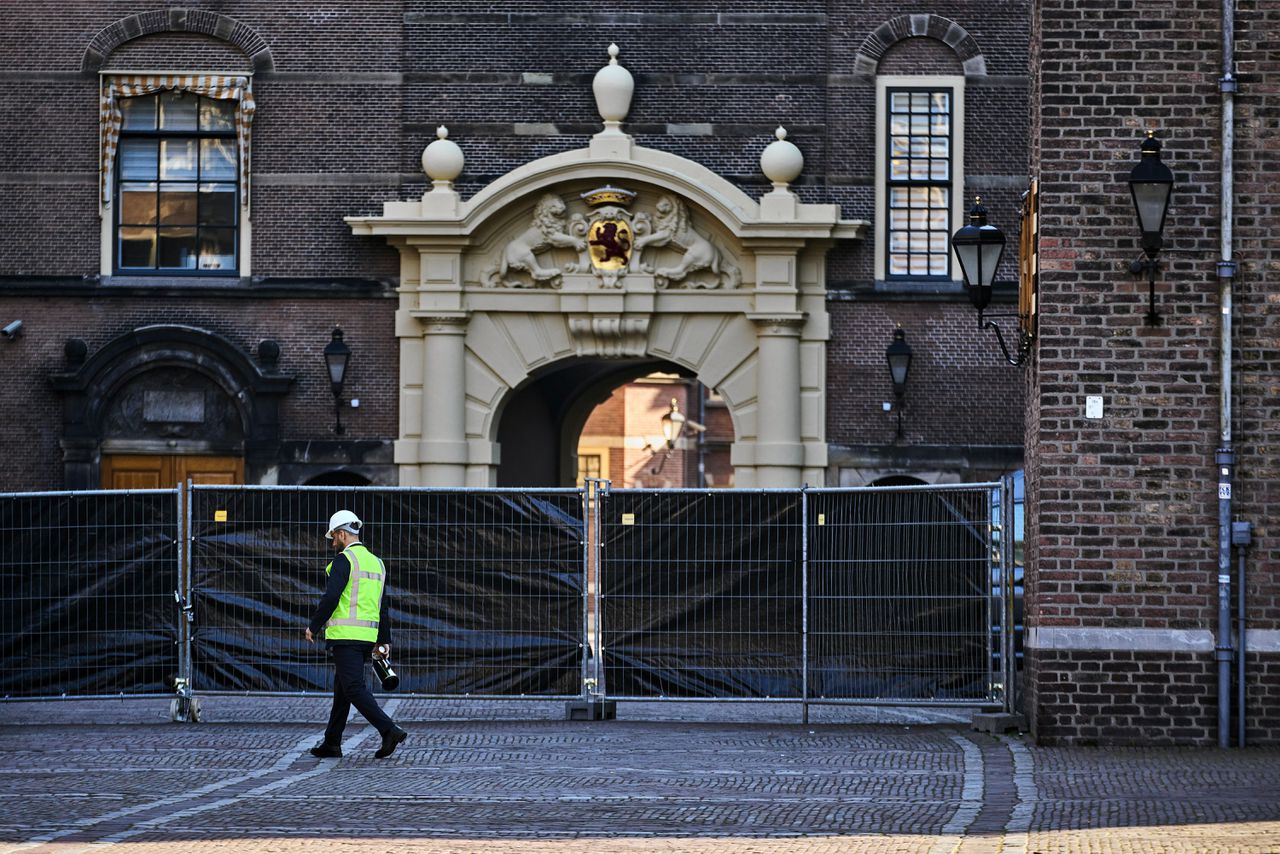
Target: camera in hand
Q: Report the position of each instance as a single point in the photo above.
(382, 668)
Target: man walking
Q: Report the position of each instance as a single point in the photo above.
(355, 626)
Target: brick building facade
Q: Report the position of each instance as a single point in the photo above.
(1123, 510)
(347, 95)
(1123, 538)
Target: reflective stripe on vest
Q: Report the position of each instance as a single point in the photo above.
(356, 622)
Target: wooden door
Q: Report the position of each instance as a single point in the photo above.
(164, 471)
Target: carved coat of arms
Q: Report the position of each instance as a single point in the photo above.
(610, 235)
(608, 241)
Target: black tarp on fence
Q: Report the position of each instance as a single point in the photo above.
(87, 580)
(701, 593)
(863, 595)
(899, 589)
(484, 587)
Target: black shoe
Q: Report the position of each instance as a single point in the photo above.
(390, 740)
(327, 751)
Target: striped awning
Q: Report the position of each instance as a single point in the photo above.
(236, 88)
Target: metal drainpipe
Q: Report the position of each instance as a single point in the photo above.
(1226, 454)
(701, 391)
(1241, 536)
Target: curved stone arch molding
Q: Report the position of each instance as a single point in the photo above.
(926, 25)
(179, 20)
(464, 349)
(89, 390)
(719, 348)
(742, 215)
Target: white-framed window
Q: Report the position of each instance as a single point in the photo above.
(176, 185)
(919, 176)
(174, 171)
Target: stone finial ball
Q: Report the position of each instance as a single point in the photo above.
(781, 162)
(442, 160)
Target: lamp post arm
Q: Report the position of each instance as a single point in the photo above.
(1024, 340)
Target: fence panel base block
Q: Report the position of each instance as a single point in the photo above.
(590, 710)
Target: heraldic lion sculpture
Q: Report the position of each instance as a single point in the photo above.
(546, 230)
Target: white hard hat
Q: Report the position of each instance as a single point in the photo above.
(346, 520)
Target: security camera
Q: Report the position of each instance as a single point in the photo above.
(11, 331)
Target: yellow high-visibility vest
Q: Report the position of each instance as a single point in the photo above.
(356, 617)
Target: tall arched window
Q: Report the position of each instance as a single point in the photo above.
(919, 175)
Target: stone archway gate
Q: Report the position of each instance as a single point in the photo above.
(614, 251)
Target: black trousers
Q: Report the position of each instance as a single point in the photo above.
(349, 689)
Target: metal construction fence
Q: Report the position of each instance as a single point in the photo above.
(867, 595)
(88, 579)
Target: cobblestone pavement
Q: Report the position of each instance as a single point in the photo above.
(507, 777)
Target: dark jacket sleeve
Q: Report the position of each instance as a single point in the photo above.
(338, 577)
(384, 620)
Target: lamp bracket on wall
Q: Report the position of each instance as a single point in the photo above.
(1025, 339)
(1150, 267)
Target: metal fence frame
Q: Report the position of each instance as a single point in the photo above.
(161, 528)
(594, 497)
(356, 490)
(1001, 678)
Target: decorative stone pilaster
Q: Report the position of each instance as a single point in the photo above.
(779, 450)
(433, 449)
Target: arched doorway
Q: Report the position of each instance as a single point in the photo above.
(503, 287)
(541, 420)
(603, 418)
(662, 430)
(162, 404)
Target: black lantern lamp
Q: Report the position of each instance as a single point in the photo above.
(1151, 185)
(979, 246)
(673, 422)
(898, 355)
(336, 356)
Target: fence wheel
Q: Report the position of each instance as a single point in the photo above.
(184, 710)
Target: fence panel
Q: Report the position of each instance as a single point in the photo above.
(900, 594)
(701, 593)
(88, 579)
(485, 587)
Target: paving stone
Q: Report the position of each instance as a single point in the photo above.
(671, 777)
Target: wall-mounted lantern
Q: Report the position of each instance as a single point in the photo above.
(673, 422)
(336, 356)
(898, 355)
(1151, 185)
(979, 247)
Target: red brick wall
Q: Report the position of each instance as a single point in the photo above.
(349, 93)
(1122, 511)
(959, 390)
(301, 329)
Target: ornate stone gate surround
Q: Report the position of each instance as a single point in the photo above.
(506, 283)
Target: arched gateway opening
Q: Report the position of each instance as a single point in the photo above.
(542, 421)
(604, 418)
(610, 253)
